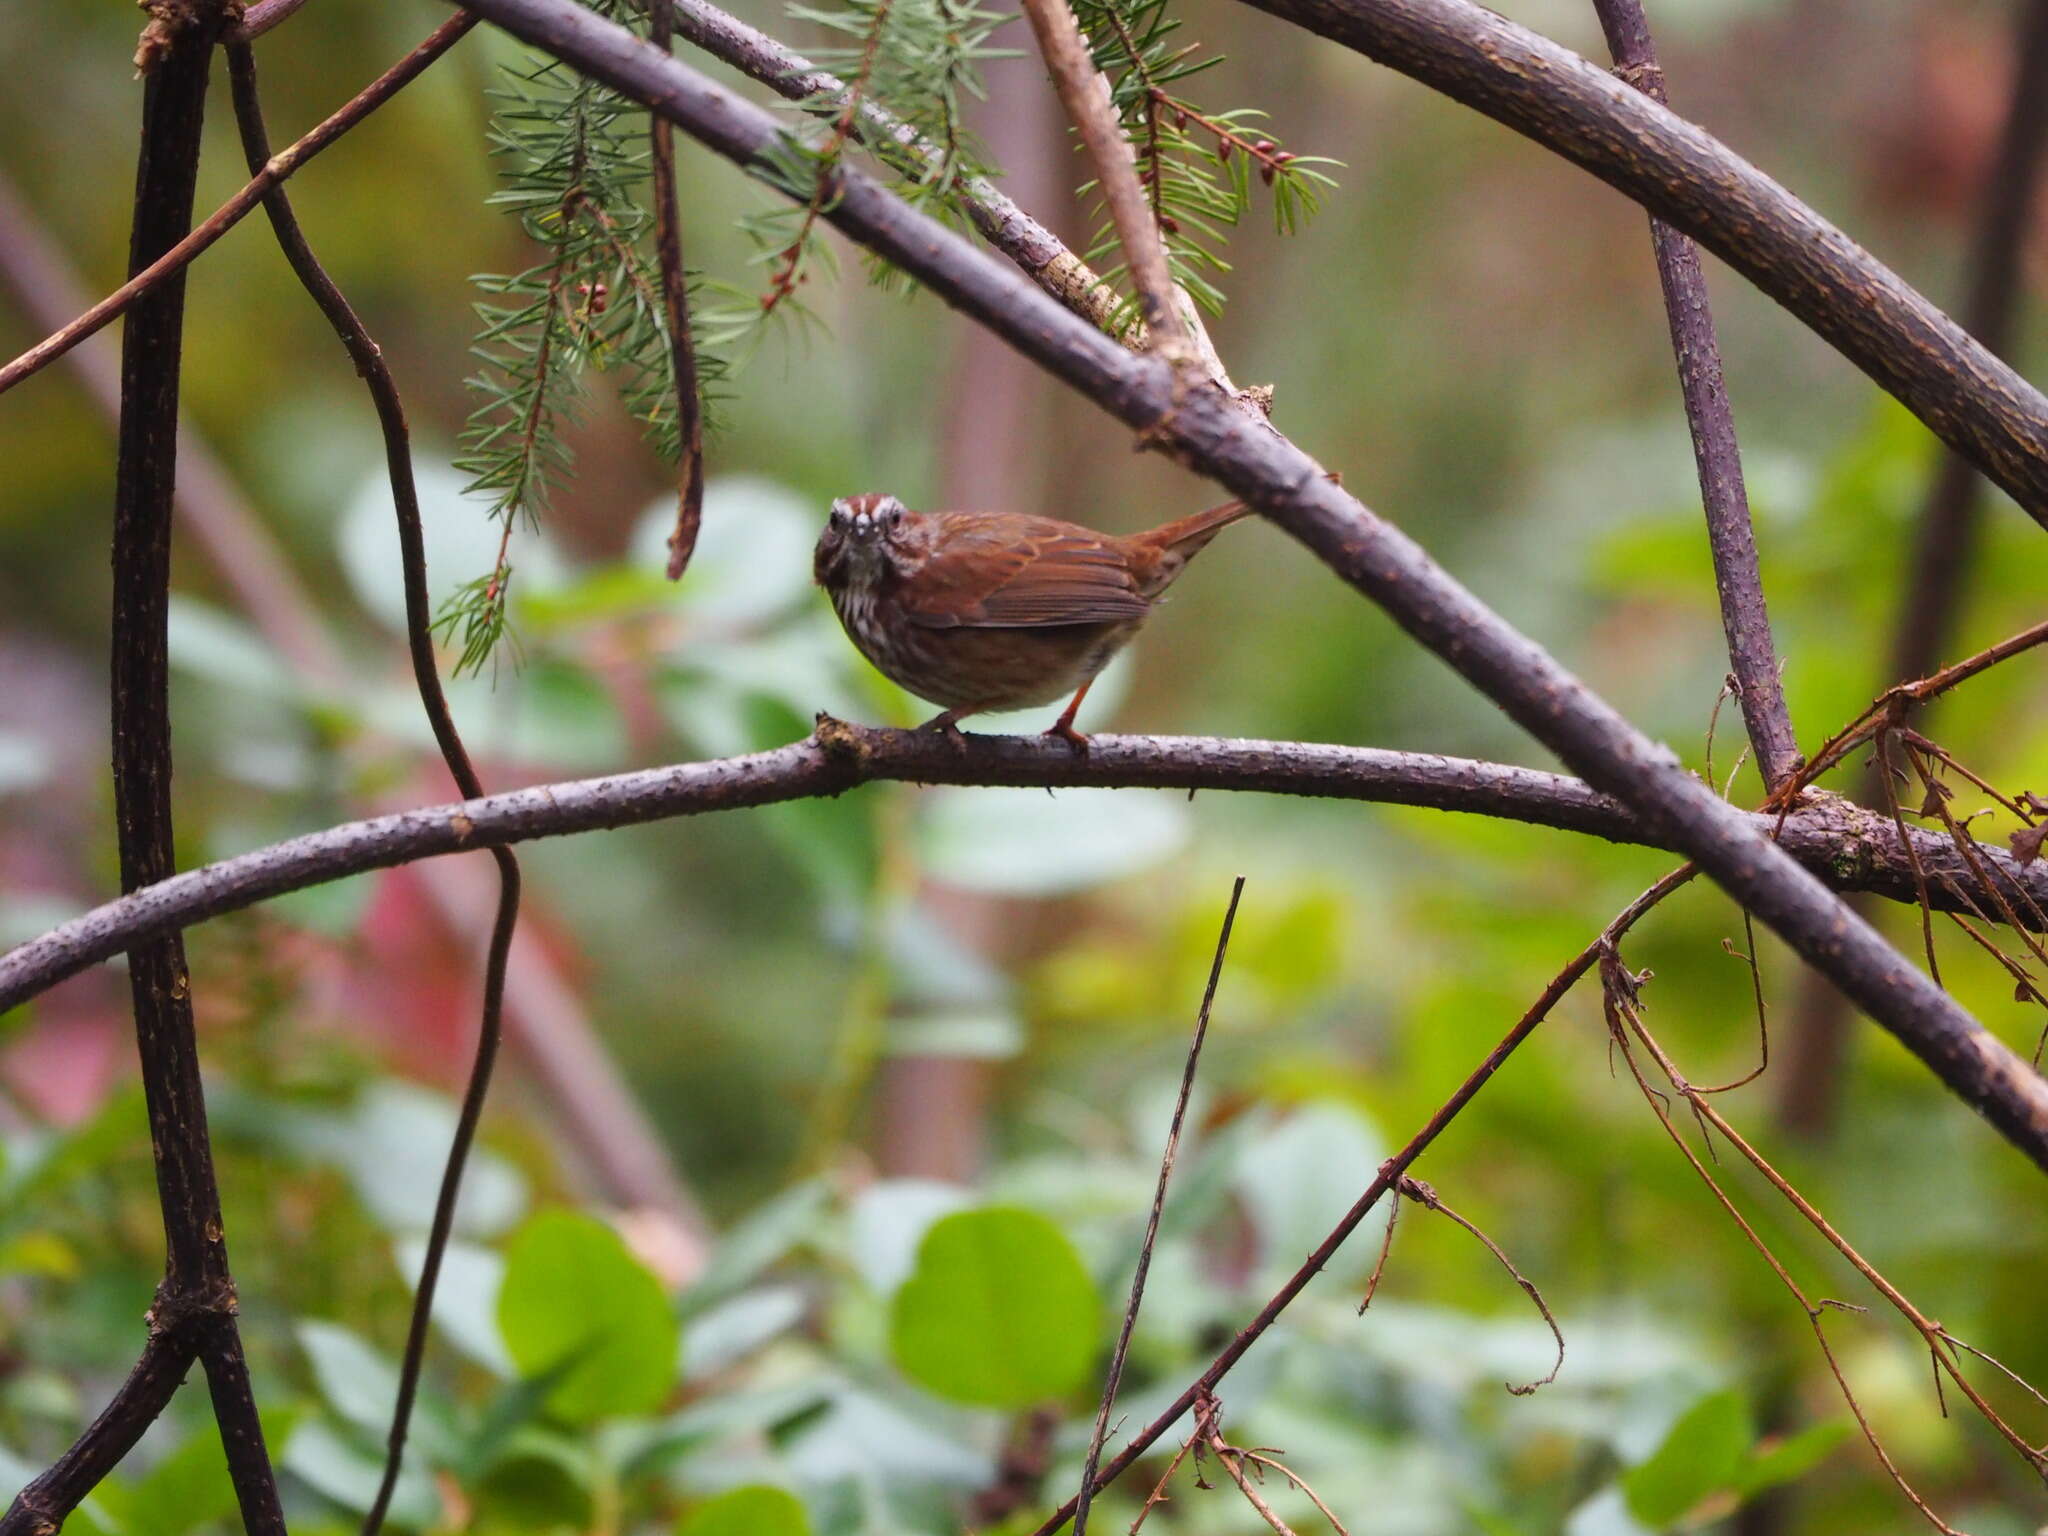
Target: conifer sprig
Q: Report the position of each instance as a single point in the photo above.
(573, 165)
(1196, 166)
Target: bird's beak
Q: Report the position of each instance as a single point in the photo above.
(864, 525)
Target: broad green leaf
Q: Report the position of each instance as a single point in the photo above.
(1702, 1454)
(572, 1293)
(1792, 1457)
(538, 1480)
(752, 1511)
(998, 1312)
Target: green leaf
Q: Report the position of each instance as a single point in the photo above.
(360, 1385)
(538, 1480)
(1702, 1454)
(1792, 1457)
(572, 1293)
(999, 1311)
(757, 1510)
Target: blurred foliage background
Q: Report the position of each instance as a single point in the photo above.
(811, 1188)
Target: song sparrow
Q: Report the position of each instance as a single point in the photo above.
(981, 611)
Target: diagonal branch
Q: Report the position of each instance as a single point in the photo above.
(1831, 837)
(1969, 398)
(1115, 1375)
(996, 218)
(1751, 655)
(1084, 92)
(180, 254)
(1205, 429)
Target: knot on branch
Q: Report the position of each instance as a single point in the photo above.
(1647, 77)
(170, 20)
(184, 1311)
(839, 738)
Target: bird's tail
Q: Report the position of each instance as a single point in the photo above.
(1187, 536)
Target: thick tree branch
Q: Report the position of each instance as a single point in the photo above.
(1848, 846)
(1969, 398)
(40, 1508)
(1207, 430)
(197, 1281)
(1751, 655)
(175, 258)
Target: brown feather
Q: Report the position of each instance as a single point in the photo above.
(1057, 573)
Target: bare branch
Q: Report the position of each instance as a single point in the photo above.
(369, 360)
(230, 213)
(39, 1509)
(198, 1290)
(675, 307)
(1206, 428)
(1836, 840)
(1730, 534)
(1084, 91)
(1967, 397)
(1180, 1109)
(1202, 1391)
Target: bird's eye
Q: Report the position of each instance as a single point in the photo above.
(895, 516)
(838, 518)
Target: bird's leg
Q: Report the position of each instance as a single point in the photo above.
(1064, 726)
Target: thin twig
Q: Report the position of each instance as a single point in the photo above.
(1426, 1196)
(1166, 1157)
(1930, 1331)
(230, 213)
(675, 308)
(1622, 1017)
(1730, 533)
(369, 361)
(1204, 1386)
(1084, 92)
(1379, 1265)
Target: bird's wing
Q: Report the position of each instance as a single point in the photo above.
(990, 579)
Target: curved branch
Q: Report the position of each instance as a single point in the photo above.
(1207, 430)
(1851, 848)
(1970, 399)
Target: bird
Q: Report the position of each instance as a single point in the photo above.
(982, 611)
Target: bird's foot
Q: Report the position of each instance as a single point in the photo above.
(1064, 729)
(947, 725)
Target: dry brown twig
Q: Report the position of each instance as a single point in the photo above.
(1426, 1197)
(1085, 93)
(1622, 1001)
(1115, 1374)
